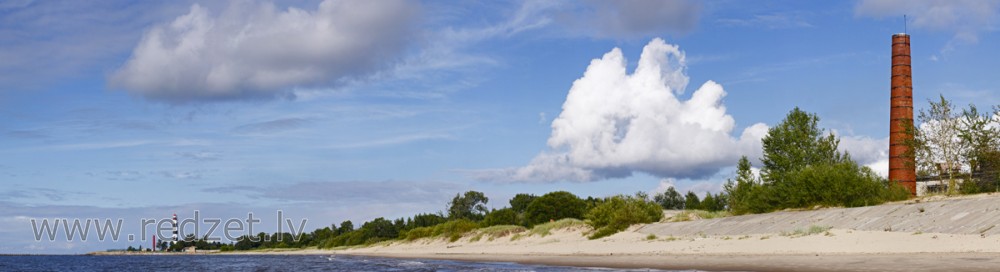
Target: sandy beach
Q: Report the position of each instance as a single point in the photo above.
(964, 241)
(891, 237)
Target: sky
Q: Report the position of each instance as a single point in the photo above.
(351, 110)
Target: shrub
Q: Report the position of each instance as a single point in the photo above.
(619, 212)
(505, 216)
(554, 206)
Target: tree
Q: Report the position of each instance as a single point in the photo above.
(691, 201)
(471, 205)
(505, 216)
(520, 202)
(739, 190)
(980, 134)
(940, 148)
(669, 199)
(802, 168)
(345, 227)
(708, 203)
(555, 206)
(795, 143)
(426, 220)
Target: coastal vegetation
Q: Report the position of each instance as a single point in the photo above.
(802, 168)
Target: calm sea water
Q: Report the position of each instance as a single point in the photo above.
(257, 263)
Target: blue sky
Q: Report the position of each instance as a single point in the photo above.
(344, 110)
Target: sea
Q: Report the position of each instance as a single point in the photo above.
(260, 263)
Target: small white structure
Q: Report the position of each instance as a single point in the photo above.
(936, 186)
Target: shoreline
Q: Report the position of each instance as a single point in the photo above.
(956, 234)
(970, 261)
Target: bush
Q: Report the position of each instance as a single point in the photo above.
(619, 212)
(505, 216)
(554, 206)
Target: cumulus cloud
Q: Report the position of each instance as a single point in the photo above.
(614, 123)
(255, 50)
(964, 18)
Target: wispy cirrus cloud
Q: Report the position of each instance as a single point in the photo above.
(271, 126)
(769, 21)
(397, 140)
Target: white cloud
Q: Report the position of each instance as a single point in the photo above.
(614, 123)
(965, 19)
(664, 184)
(867, 151)
(254, 50)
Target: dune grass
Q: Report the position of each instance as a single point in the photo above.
(547, 228)
(688, 215)
(493, 232)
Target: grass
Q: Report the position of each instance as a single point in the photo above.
(814, 229)
(688, 215)
(651, 237)
(494, 232)
(565, 223)
(454, 230)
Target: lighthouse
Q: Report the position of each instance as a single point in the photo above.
(174, 241)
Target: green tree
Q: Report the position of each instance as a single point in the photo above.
(691, 201)
(739, 190)
(795, 143)
(669, 199)
(505, 216)
(980, 135)
(708, 203)
(520, 202)
(471, 205)
(555, 206)
(803, 168)
(345, 227)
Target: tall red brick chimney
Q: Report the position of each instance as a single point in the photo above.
(902, 168)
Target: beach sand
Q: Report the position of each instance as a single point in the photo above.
(930, 234)
(878, 238)
(838, 250)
